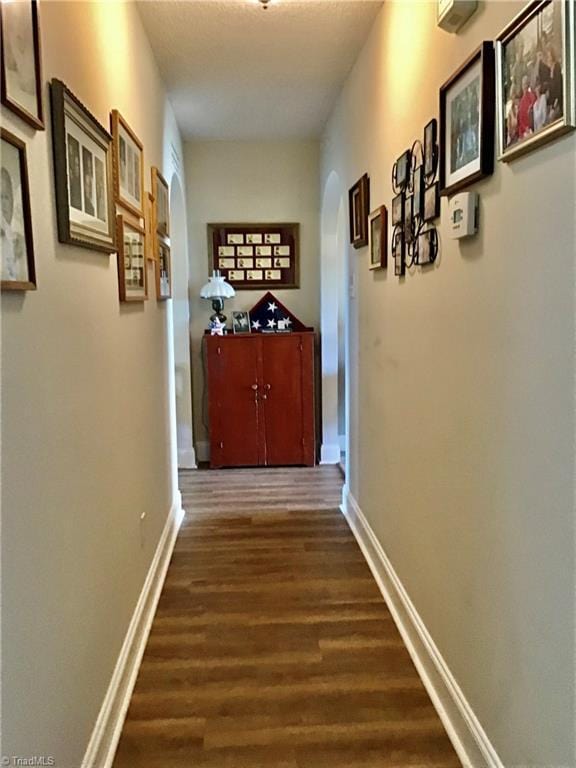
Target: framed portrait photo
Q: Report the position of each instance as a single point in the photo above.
(398, 252)
(431, 149)
(467, 122)
(21, 69)
(358, 208)
(418, 184)
(241, 322)
(401, 171)
(427, 248)
(16, 243)
(535, 77)
(408, 223)
(163, 271)
(128, 154)
(132, 273)
(398, 210)
(82, 173)
(160, 194)
(378, 238)
(431, 203)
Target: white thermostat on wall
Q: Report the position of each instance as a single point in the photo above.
(463, 215)
(453, 13)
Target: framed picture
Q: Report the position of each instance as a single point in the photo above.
(408, 224)
(401, 171)
(82, 173)
(427, 249)
(128, 155)
(467, 122)
(161, 203)
(16, 244)
(378, 237)
(431, 149)
(150, 226)
(398, 252)
(241, 322)
(431, 203)
(132, 272)
(163, 271)
(535, 77)
(358, 207)
(21, 70)
(398, 210)
(418, 191)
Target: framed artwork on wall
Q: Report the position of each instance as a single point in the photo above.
(128, 154)
(401, 171)
(163, 271)
(150, 227)
(431, 203)
(83, 174)
(467, 122)
(21, 69)
(16, 242)
(378, 238)
(398, 209)
(132, 272)
(536, 77)
(160, 194)
(359, 206)
(430, 149)
(398, 252)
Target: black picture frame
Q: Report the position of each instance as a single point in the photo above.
(358, 209)
(398, 210)
(430, 149)
(418, 186)
(18, 239)
(401, 171)
(427, 247)
(408, 223)
(478, 138)
(80, 205)
(398, 251)
(36, 118)
(431, 208)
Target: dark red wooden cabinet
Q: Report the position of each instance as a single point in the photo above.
(261, 399)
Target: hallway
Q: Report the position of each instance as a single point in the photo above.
(271, 645)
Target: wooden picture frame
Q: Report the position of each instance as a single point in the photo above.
(378, 238)
(82, 174)
(163, 270)
(128, 163)
(150, 226)
(467, 102)
(252, 256)
(17, 244)
(536, 104)
(132, 263)
(20, 21)
(161, 195)
(358, 209)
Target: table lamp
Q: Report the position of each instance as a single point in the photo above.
(217, 289)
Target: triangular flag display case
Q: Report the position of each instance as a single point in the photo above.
(269, 315)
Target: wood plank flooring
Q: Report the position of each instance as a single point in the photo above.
(272, 646)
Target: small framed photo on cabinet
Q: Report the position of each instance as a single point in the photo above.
(378, 236)
(128, 166)
(132, 270)
(16, 242)
(241, 322)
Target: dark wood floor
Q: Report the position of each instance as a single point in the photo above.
(272, 646)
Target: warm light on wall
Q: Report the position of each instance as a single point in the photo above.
(112, 30)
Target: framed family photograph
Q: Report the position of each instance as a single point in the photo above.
(160, 194)
(128, 154)
(359, 206)
(83, 174)
(132, 276)
(163, 271)
(378, 238)
(431, 203)
(467, 122)
(16, 243)
(431, 149)
(241, 322)
(21, 69)
(535, 77)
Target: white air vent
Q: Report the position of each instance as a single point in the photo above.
(453, 13)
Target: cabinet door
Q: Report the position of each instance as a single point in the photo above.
(287, 386)
(236, 432)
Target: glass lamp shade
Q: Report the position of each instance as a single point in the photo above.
(217, 288)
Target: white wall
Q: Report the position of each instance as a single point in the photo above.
(462, 396)
(250, 182)
(85, 403)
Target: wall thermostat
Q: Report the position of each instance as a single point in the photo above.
(463, 215)
(452, 14)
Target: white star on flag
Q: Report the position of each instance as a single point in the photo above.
(287, 321)
(256, 324)
(272, 306)
(271, 323)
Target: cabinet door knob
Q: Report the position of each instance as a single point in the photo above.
(267, 387)
(254, 387)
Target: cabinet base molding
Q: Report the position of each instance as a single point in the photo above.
(106, 734)
(462, 726)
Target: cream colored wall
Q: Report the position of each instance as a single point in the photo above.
(85, 433)
(250, 182)
(462, 387)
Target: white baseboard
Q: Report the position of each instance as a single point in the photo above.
(187, 459)
(463, 727)
(330, 453)
(203, 450)
(106, 734)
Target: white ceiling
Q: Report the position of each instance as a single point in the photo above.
(236, 71)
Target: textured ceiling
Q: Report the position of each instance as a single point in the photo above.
(236, 71)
